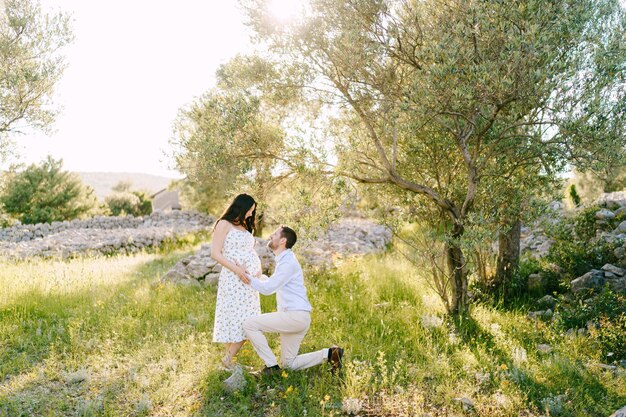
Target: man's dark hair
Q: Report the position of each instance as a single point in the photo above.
(288, 234)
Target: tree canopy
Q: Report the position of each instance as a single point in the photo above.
(460, 112)
(30, 65)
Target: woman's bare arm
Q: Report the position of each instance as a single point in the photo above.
(219, 235)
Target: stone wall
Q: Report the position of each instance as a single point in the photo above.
(100, 234)
(200, 268)
(348, 237)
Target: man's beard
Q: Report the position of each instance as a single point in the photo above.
(270, 244)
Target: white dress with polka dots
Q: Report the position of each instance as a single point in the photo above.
(236, 301)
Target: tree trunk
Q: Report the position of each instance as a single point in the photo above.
(458, 272)
(259, 223)
(508, 256)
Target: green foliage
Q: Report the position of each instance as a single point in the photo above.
(122, 186)
(575, 247)
(45, 193)
(6, 220)
(122, 203)
(576, 313)
(610, 336)
(133, 203)
(226, 144)
(145, 203)
(125, 201)
(30, 64)
(603, 316)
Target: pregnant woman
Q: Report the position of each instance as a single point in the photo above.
(233, 248)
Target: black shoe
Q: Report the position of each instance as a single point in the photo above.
(267, 371)
(335, 356)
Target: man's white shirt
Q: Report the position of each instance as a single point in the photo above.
(287, 282)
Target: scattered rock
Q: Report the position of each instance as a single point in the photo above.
(612, 200)
(541, 315)
(346, 238)
(197, 269)
(604, 214)
(200, 266)
(212, 278)
(614, 269)
(591, 280)
(236, 381)
(544, 348)
(465, 402)
(536, 282)
(547, 301)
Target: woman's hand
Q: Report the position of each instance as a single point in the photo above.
(241, 273)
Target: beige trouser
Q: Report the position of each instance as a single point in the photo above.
(292, 326)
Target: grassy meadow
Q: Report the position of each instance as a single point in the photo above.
(102, 337)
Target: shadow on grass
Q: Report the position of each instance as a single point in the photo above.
(542, 389)
(295, 393)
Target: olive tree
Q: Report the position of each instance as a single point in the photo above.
(444, 99)
(30, 65)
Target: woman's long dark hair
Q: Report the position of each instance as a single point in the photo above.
(236, 212)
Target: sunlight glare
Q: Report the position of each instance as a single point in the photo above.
(285, 10)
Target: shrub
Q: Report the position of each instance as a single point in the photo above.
(144, 207)
(575, 246)
(126, 202)
(610, 336)
(576, 313)
(605, 318)
(122, 203)
(45, 193)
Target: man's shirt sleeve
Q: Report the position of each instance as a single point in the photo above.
(283, 273)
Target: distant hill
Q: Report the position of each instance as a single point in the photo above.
(103, 182)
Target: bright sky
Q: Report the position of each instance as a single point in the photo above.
(132, 66)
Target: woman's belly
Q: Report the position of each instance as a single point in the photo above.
(249, 259)
(252, 263)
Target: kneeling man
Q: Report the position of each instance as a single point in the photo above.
(293, 318)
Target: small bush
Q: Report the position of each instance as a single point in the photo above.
(576, 313)
(610, 336)
(575, 247)
(551, 278)
(133, 203)
(122, 203)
